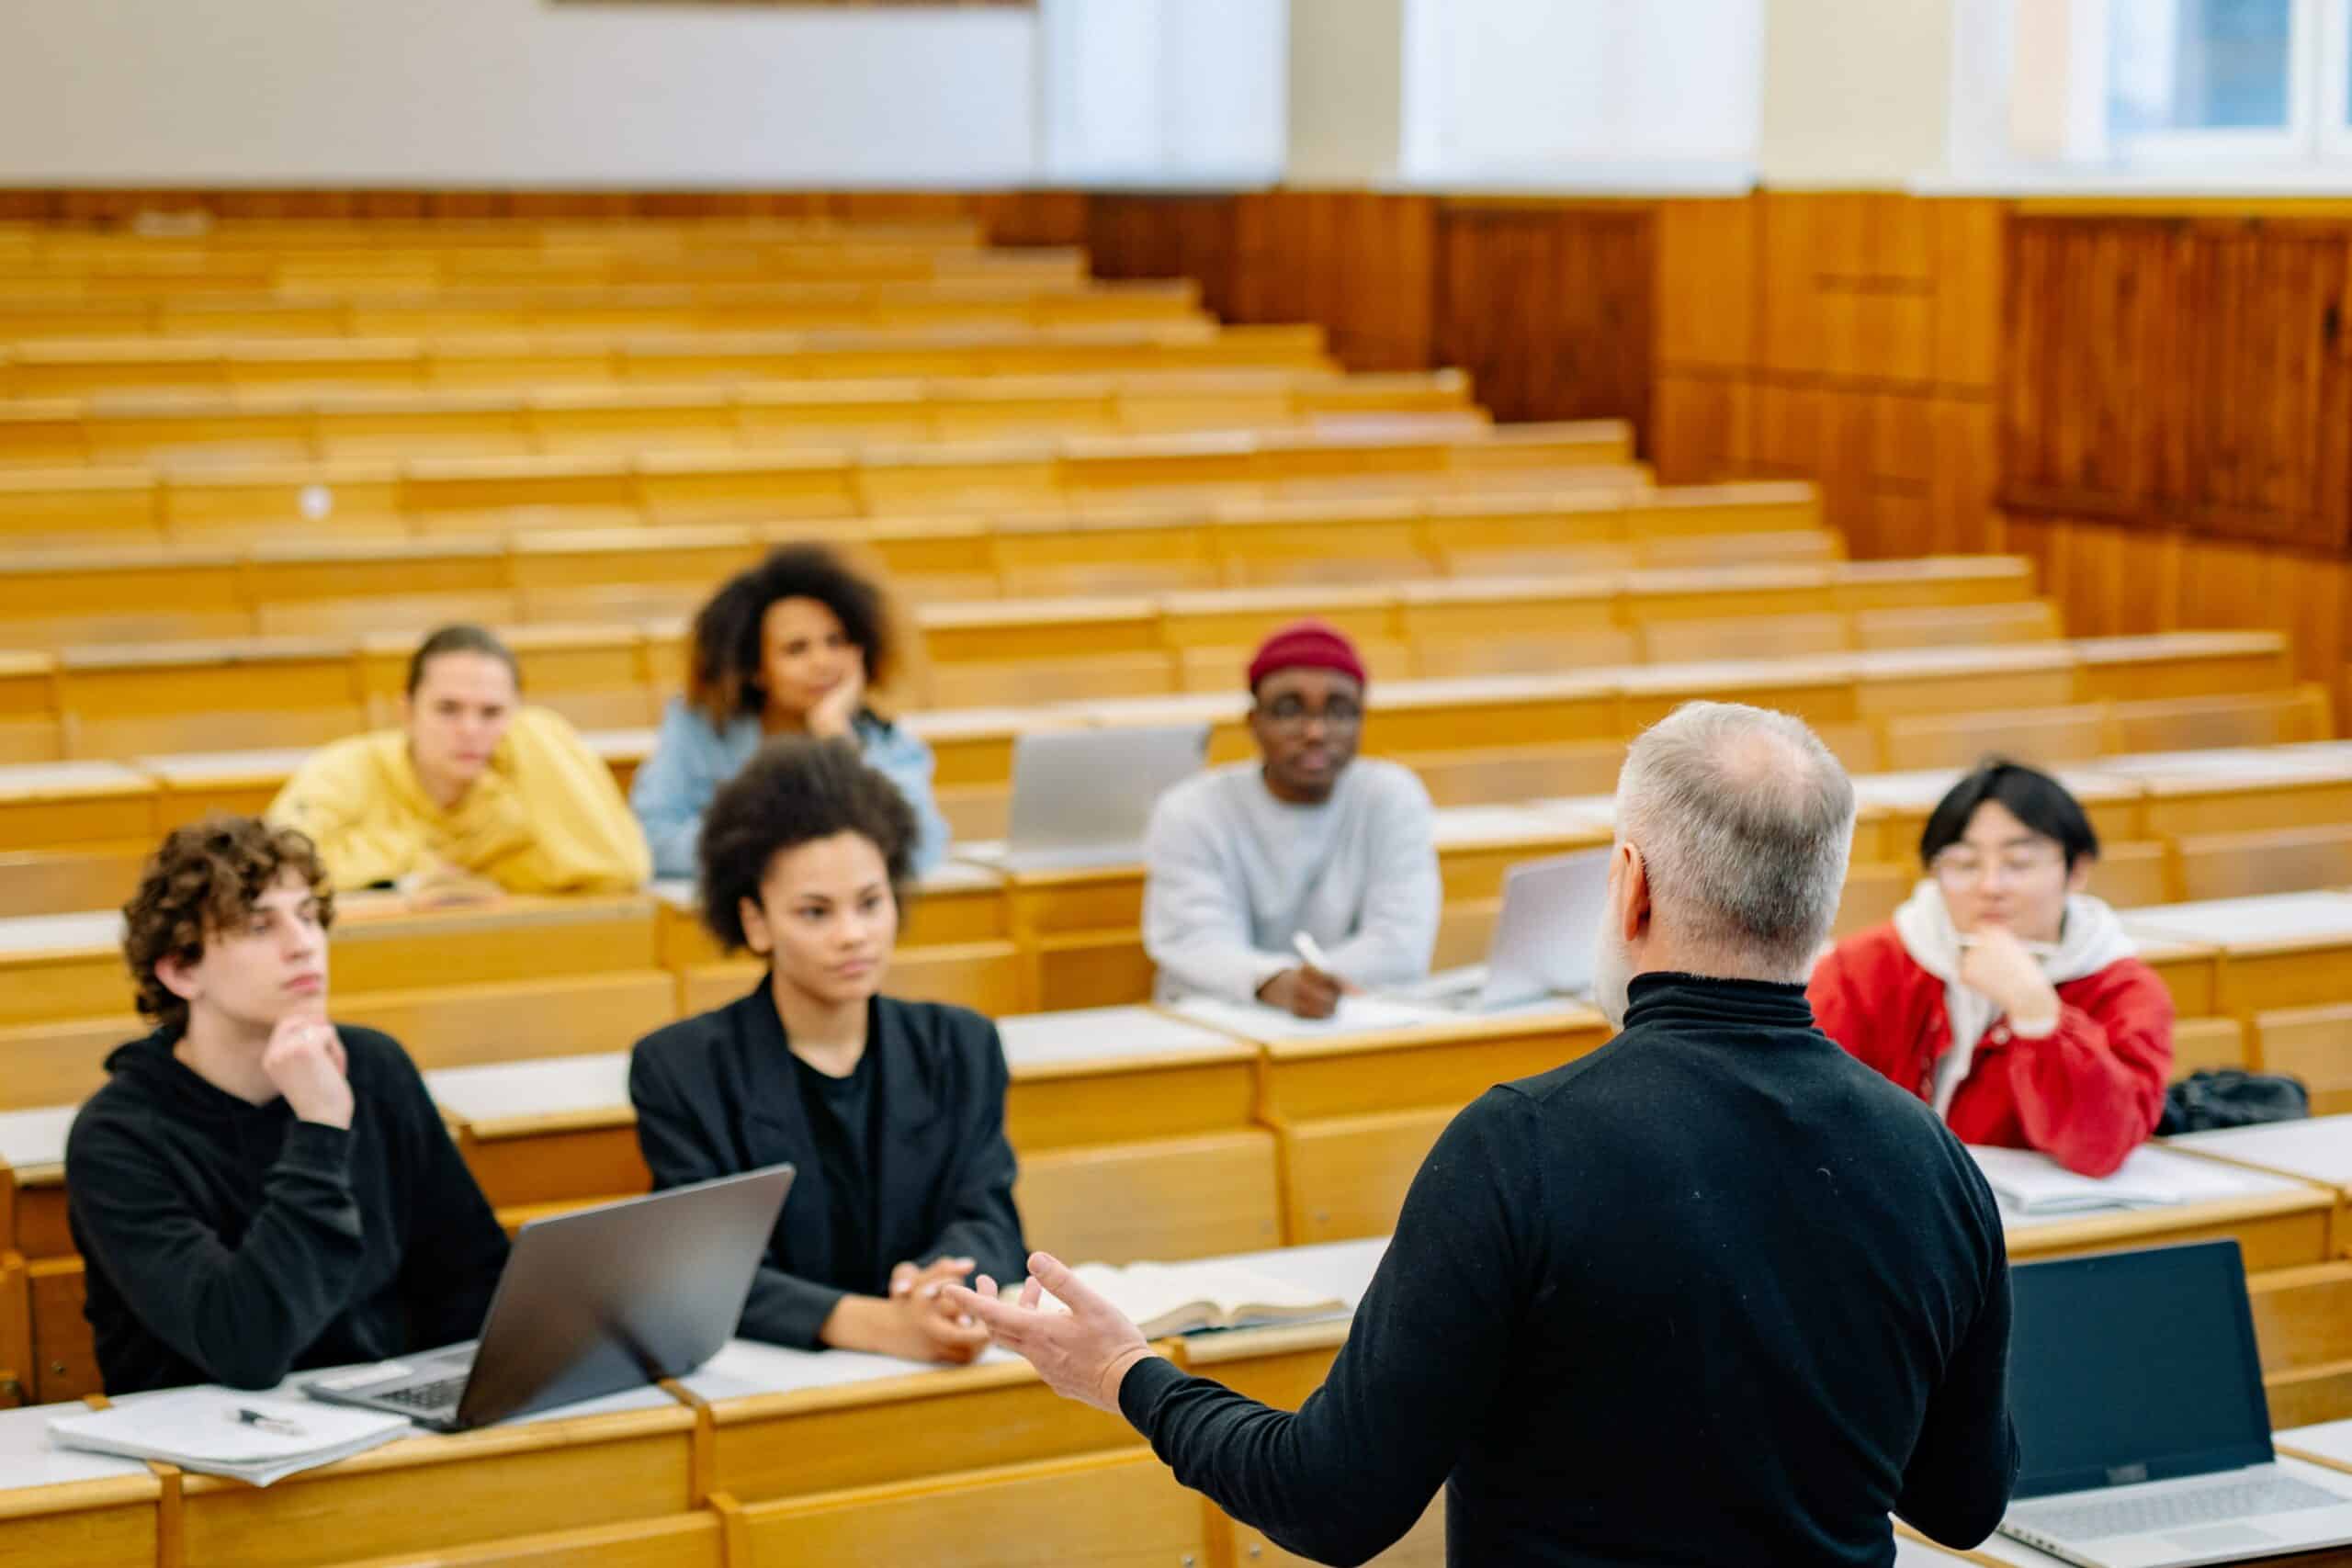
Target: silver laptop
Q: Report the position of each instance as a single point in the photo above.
(2145, 1435)
(592, 1302)
(1543, 939)
(1083, 797)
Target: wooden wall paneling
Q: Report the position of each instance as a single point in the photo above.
(1548, 306)
(1966, 327)
(1701, 426)
(1963, 475)
(1789, 293)
(1707, 285)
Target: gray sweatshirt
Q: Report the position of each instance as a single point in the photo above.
(1231, 873)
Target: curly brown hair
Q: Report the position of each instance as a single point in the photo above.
(203, 879)
(726, 654)
(793, 791)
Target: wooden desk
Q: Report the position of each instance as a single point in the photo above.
(2302, 1316)
(194, 784)
(556, 1131)
(621, 1460)
(787, 1423)
(2279, 1222)
(2236, 789)
(62, 1509)
(45, 1286)
(1357, 1101)
(1281, 1366)
(1136, 1138)
(2288, 950)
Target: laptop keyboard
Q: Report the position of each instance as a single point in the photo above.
(428, 1398)
(2215, 1503)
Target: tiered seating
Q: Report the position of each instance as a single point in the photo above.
(245, 472)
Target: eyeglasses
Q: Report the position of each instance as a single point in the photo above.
(1291, 712)
(1962, 868)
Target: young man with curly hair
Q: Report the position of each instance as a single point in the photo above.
(258, 1190)
(893, 1111)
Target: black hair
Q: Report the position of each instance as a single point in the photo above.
(794, 792)
(726, 654)
(460, 638)
(2030, 795)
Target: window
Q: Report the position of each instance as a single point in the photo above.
(2155, 87)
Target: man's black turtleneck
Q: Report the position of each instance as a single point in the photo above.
(228, 1242)
(1716, 1293)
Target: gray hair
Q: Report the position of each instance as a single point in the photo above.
(1745, 822)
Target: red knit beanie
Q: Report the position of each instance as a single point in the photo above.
(1307, 645)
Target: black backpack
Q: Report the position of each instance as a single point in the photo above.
(2228, 1096)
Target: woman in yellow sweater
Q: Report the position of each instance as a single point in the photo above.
(473, 785)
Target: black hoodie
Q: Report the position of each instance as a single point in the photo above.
(228, 1242)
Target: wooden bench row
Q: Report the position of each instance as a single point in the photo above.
(208, 429)
(492, 496)
(543, 360)
(1031, 300)
(152, 594)
(1139, 1136)
(354, 270)
(1005, 939)
(765, 1455)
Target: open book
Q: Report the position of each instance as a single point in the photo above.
(255, 1438)
(2030, 1182)
(1180, 1298)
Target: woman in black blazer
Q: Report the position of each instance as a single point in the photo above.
(893, 1111)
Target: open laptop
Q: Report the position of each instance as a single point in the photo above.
(592, 1302)
(1083, 797)
(1543, 939)
(2140, 1412)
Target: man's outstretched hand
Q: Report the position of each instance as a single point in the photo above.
(1082, 1354)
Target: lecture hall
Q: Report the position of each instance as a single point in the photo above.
(792, 782)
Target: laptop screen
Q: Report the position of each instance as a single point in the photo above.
(2134, 1365)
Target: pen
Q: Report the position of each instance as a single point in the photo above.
(1308, 948)
(243, 1417)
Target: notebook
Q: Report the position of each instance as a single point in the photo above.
(1184, 1298)
(254, 1438)
(2030, 1182)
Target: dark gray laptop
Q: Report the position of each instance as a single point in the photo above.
(592, 1302)
(2140, 1418)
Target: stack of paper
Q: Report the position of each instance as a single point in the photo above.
(2027, 1181)
(224, 1431)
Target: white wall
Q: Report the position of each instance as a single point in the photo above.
(1159, 91)
(1569, 91)
(1856, 92)
(456, 93)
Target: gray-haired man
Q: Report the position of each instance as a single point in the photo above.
(1715, 1293)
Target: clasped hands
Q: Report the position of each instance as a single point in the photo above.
(915, 1322)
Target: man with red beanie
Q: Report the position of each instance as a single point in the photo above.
(1242, 860)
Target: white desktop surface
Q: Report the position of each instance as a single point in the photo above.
(2319, 1149)
(1087, 1034)
(745, 1367)
(27, 1461)
(31, 1138)
(2278, 919)
(2199, 1182)
(645, 1397)
(550, 1086)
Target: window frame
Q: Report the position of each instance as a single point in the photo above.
(2309, 23)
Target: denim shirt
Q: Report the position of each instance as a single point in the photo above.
(691, 759)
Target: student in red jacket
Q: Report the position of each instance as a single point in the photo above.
(2002, 993)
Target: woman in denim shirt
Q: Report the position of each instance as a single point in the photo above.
(788, 647)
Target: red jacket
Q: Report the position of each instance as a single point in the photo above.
(2086, 1095)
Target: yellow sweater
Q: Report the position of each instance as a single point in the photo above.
(544, 817)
